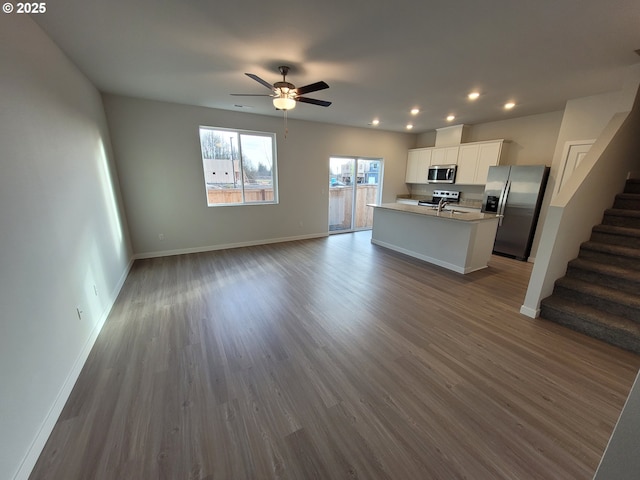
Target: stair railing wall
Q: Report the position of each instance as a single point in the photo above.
(581, 203)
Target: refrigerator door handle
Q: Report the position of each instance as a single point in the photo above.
(502, 203)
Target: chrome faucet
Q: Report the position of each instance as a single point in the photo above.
(441, 204)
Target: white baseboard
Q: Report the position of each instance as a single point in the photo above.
(32, 455)
(426, 258)
(530, 312)
(210, 248)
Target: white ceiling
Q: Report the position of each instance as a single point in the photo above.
(380, 57)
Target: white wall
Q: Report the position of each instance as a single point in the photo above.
(157, 151)
(61, 233)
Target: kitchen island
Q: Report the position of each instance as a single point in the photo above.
(459, 241)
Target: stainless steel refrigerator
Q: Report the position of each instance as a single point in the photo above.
(515, 192)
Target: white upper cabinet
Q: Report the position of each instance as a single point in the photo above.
(475, 159)
(418, 162)
(444, 155)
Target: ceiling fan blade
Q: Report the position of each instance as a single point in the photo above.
(250, 95)
(313, 101)
(313, 87)
(259, 80)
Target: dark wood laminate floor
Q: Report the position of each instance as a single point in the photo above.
(329, 359)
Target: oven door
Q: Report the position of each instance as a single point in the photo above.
(442, 173)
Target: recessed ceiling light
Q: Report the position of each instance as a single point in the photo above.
(409, 126)
(375, 122)
(473, 95)
(415, 111)
(451, 118)
(509, 105)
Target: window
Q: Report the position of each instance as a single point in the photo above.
(239, 166)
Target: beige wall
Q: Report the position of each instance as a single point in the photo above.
(157, 151)
(532, 139)
(61, 234)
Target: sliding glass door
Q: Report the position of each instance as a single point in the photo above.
(353, 183)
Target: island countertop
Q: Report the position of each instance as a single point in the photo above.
(459, 241)
(450, 213)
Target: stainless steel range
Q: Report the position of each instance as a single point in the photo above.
(443, 196)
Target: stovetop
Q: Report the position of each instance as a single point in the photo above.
(449, 196)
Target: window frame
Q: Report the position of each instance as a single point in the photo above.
(238, 151)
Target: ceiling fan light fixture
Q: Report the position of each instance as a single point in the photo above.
(284, 102)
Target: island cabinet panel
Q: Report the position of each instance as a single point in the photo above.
(458, 241)
(418, 162)
(475, 159)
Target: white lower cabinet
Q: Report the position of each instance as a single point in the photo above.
(474, 160)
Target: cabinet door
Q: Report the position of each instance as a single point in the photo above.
(412, 167)
(467, 164)
(488, 156)
(418, 165)
(424, 161)
(444, 156)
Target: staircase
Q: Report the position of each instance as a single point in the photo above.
(600, 294)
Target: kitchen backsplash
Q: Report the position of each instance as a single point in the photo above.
(470, 195)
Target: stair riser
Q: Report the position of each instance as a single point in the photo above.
(601, 303)
(627, 203)
(618, 221)
(632, 188)
(601, 257)
(609, 281)
(621, 240)
(601, 332)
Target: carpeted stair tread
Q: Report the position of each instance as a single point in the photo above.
(622, 212)
(594, 290)
(612, 249)
(606, 269)
(629, 196)
(632, 186)
(627, 201)
(605, 326)
(615, 230)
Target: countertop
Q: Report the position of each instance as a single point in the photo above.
(448, 214)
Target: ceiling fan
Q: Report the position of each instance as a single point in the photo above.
(285, 94)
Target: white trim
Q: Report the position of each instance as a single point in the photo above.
(426, 258)
(529, 312)
(209, 248)
(565, 157)
(37, 446)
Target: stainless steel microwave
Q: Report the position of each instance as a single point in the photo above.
(442, 174)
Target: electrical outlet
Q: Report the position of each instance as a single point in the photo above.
(80, 312)
(161, 236)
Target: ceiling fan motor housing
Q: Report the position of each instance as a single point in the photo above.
(283, 86)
